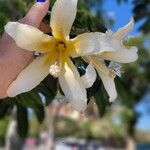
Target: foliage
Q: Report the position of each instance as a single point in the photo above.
(89, 128)
(135, 78)
(3, 127)
(12, 10)
(141, 12)
(85, 21)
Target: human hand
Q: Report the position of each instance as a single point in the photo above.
(12, 58)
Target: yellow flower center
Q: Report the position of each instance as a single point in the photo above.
(56, 68)
(61, 46)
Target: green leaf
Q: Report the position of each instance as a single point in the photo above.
(51, 83)
(6, 105)
(31, 99)
(125, 94)
(101, 101)
(3, 109)
(80, 65)
(22, 121)
(40, 114)
(47, 93)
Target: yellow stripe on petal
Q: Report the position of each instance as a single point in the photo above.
(107, 75)
(31, 76)
(62, 17)
(99, 65)
(72, 86)
(30, 38)
(109, 85)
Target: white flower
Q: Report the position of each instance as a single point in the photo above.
(112, 49)
(56, 52)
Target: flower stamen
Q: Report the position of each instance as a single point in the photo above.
(61, 46)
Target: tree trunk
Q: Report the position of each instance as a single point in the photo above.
(131, 144)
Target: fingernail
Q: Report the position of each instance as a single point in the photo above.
(41, 1)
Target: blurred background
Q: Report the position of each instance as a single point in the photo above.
(25, 122)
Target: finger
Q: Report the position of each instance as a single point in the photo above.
(36, 14)
(44, 27)
(3, 96)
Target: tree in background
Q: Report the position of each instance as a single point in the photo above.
(131, 87)
(141, 12)
(86, 21)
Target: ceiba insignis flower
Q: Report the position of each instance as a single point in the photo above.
(112, 49)
(56, 51)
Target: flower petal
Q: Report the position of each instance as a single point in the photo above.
(107, 80)
(122, 56)
(86, 44)
(30, 77)
(29, 38)
(109, 85)
(73, 86)
(122, 32)
(62, 17)
(89, 77)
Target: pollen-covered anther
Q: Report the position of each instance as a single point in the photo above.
(112, 73)
(54, 70)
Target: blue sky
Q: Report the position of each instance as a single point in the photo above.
(144, 108)
(122, 14)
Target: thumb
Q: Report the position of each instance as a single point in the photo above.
(36, 14)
